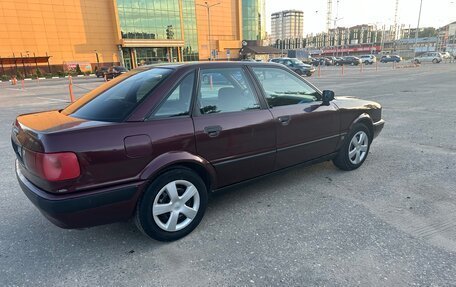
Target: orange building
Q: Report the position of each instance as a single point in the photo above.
(55, 35)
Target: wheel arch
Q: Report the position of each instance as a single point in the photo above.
(171, 160)
(365, 119)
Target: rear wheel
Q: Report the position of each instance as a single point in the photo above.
(355, 149)
(172, 206)
(435, 61)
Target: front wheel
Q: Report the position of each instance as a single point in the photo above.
(355, 148)
(172, 206)
(435, 61)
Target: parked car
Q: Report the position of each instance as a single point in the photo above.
(368, 59)
(349, 60)
(446, 55)
(101, 72)
(431, 57)
(158, 139)
(390, 58)
(337, 61)
(322, 61)
(296, 65)
(115, 71)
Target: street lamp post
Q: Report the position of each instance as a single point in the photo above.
(98, 59)
(208, 7)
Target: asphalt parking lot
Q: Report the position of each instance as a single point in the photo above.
(390, 223)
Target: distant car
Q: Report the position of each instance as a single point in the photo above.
(115, 71)
(337, 61)
(324, 61)
(296, 65)
(433, 57)
(368, 59)
(390, 58)
(349, 60)
(446, 55)
(101, 72)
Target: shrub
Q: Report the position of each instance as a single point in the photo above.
(38, 73)
(4, 78)
(78, 70)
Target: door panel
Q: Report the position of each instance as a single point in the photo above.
(244, 147)
(232, 132)
(312, 131)
(306, 129)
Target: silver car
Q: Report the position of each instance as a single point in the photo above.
(433, 57)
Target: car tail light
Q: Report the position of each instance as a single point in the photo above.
(53, 166)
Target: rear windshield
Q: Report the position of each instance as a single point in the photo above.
(115, 100)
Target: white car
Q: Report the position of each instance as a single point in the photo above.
(433, 57)
(446, 55)
(368, 59)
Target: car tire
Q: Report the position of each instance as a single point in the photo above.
(355, 148)
(308, 74)
(165, 209)
(416, 62)
(435, 61)
(299, 72)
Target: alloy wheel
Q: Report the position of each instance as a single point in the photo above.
(357, 149)
(176, 205)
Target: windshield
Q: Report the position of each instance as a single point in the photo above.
(296, 61)
(115, 100)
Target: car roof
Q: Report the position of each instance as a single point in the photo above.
(208, 64)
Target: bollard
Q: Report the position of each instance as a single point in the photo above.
(342, 70)
(361, 68)
(376, 66)
(22, 84)
(105, 78)
(319, 70)
(70, 88)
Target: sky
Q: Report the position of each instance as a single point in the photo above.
(435, 13)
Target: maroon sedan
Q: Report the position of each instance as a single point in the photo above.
(153, 142)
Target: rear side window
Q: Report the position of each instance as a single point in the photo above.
(225, 90)
(114, 101)
(178, 101)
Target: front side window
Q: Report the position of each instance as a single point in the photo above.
(115, 100)
(225, 90)
(178, 101)
(282, 88)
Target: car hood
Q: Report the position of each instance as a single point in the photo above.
(352, 103)
(374, 109)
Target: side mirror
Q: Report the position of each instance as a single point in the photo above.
(327, 96)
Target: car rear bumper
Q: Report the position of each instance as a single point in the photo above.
(80, 210)
(378, 127)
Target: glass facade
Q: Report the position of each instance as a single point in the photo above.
(158, 20)
(190, 31)
(253, 20)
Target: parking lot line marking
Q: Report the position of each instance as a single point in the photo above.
(52, 99)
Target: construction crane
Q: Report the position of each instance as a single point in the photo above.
(395, 19)
(329, 15)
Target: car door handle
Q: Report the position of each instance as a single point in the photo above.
(213, 131)
(284, 120)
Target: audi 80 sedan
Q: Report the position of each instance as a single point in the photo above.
(152, 143)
